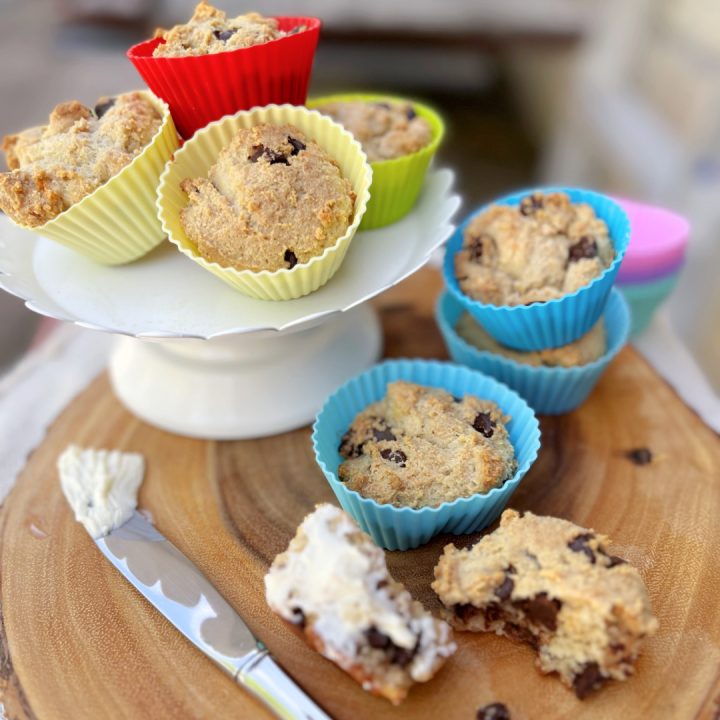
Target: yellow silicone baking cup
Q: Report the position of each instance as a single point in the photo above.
(200, 153)
(396, 182)
(118, 223)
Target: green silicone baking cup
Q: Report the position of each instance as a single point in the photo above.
(396, 183)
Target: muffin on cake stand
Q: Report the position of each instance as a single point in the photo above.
(197, 358)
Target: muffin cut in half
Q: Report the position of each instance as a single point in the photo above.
(552, 584)
(333, 585)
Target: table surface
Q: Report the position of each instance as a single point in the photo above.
(78, 641)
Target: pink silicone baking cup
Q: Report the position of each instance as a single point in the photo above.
(203, 88)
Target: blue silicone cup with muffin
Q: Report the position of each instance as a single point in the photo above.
(556, 322)
(549, 390)
(402, 528)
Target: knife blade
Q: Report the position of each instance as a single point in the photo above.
(175, 587)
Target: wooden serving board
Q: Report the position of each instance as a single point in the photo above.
(78, 641)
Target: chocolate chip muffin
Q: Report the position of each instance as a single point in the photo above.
(54, 166)
(211, 31)
(273, 199)
(333, 585)
(587, 349)
(420, 447)
(542, 249)
(554, 585)
(385, 130)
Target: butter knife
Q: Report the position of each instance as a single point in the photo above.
(175, 587)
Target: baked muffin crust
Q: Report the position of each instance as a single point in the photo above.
(419, 446)
(273, 199)
(543, 249)
(54, 166)
(211, 31)
(583, 351)
(385, 130)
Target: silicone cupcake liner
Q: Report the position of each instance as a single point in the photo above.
(549, 390)
(403, 528)
(203, 88)
(200, 153)
(658, 243)
(556, 322)
(645, 298)
(117, 223)
(397, 182)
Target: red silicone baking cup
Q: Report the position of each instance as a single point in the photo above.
(203, 88)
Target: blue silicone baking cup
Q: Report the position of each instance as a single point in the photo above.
(555, 322)
(402, 528)
(549, 390)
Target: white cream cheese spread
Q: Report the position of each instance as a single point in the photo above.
(101, 486)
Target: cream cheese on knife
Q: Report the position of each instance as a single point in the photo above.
(101, 486)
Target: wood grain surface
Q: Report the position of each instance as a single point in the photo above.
(78, 642)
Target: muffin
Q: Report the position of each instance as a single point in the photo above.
(385, 129)
(421, 447)
(54, 166)
(554, 585)
(542, 249)
(273, 199)
(587, 349)
(333, 585)
(211, 31)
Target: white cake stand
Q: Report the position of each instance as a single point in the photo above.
(197, 358)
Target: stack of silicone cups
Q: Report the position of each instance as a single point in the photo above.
(203, 88)
(396, 182)
(653, 261)
(198, 154)
(549, 390)
(401, 528)
(556, 322)
(117, 223)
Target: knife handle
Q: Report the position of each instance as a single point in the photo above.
(264, 678)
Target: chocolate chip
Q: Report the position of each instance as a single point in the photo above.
(383, 434)
(348, 448)
(522, 634)
(493, 613)
(297, 29)
(585, 247)
(484, 424)
(402, 656)
(530, 203)
(587, 679)
(381, 584)
(639, 456)
(290, 258)
(376, 639)
(541, 610)
(457, 399)
(580, 545)
(614, 560)
(103, 107)
(384, 105)
(256, 154)
(396, 456)
(411, 114)
(276, 158)
(475, 248)
(297, 145)
(223, 35)
(504, 590)
(494, 711)
(617, 647)
(465, 612)
(298, 618)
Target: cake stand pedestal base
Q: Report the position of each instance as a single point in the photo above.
(243, 386)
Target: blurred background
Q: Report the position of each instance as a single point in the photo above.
(620, 95)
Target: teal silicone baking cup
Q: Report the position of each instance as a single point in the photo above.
(549, 390)
(556, 322)
(644, 299)
(402, 528)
